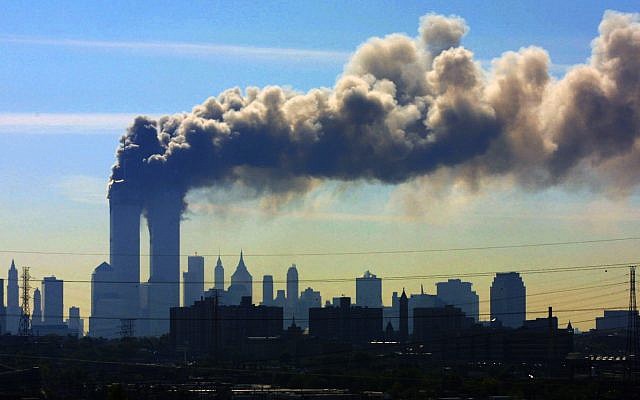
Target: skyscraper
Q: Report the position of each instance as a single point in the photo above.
(52, 294)
(3, 309)
(292, 286)
(241, 283)
(193, 281)
(36, 312)
(75, 323)
(456, 293)
(125, 209)
(404, 317)
(13, 300)
(105, 300)
(218, 275)
(267, 290)
(163, 219)
(369, 291)
(509, 299)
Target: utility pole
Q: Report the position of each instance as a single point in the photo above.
(632, 323)
(24, 329)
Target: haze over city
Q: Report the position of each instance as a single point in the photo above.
(420, 143)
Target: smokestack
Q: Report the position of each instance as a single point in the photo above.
(125, 208)
(163, 210)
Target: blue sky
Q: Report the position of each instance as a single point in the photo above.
(74, 73)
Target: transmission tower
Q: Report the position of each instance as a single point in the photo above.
(25, 317)
(632, 320)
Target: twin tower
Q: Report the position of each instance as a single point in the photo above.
(120, 303)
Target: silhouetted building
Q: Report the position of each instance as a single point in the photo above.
(346, 323)
(75, 323)
(422, 300)
(218, 275)
(241, 283)
(52, 298)
(13, 302)
(309, 298)
(281, 299)
(508, 299)
(433, 325)
(391, 314)
(36, 312)
(369, 291)
(105, 311)
(403, 331)
(292, 286)
(459, 294)
(614, 320)
(208, 327)
(267, 290)
(163, 212)
(121, 300)
(193, 280)
(3, 309)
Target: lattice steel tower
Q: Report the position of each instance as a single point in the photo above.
(632, 318)
(24, 329)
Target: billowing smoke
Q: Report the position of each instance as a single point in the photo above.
(405, 108)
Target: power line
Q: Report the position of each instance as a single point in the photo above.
(340, 253)
(527, 271)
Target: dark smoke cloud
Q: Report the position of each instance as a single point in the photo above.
(406, 108)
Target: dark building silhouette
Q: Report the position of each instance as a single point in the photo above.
(267, 290)
(436, 323)
(457, 293)
(208, 327)
(403, 332)
(508, 299)
(346, 323)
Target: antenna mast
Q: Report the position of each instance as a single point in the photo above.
(632, 320)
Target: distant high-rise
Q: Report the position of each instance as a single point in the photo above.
(509, 299)
(459, 294)
(193, 281)
(13, 300)
(218, 275)
(309, 298)
(369, 291)
(241, 283)
(292, 286)
(36, 312)
(52, 296)
(3, 309)
(267, 290)
(105, 300)
(404, 317)
(75, 323)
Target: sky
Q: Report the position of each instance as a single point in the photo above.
(74, 75)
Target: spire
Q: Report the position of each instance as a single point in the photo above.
(219, 262)
(241, 262)
(404, 295)
(13, 264)
(569, 327)
(421, 289)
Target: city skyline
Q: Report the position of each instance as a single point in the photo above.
(58, 204)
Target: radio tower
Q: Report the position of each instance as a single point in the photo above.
(632, 320)
(25, 317)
